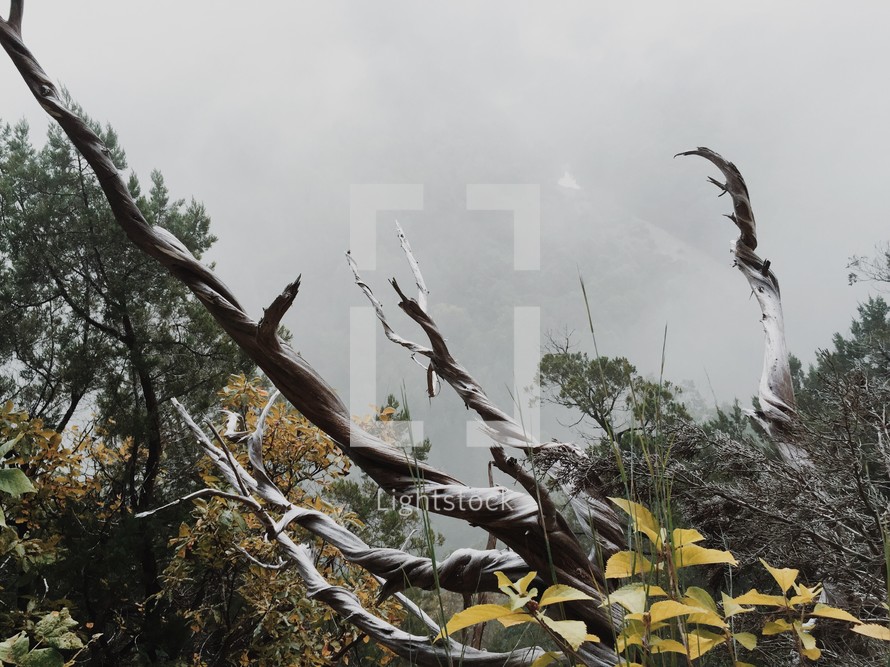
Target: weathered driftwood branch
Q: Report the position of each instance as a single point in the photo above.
(596, 516)
(777, 411)
(464, 571)
(594, 512)
(510, 516)
(386, 564)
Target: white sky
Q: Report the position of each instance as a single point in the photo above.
(268, 112)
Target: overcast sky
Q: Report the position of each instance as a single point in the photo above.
(269, 112)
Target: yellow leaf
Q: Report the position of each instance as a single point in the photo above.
(742, 664)
(730, 608)
(755, 597)
(625, 640)
(632, 597)
(706, 618)
(516, 618)
(777, 627)
(643, 520)
(503, 581)
(665, 609)
(573, 632)
(811, 653)
(692, 554)
(784, 576)
(746, 639)
(561, 593)
(522, 584)
(873, 630)
(660, 645)
(546, 659)
(472, 615)
(682, 536)
(805, 595)
(808, 640)
(701, 641)
(592, 638)
(699, 597)
(825, 611)
(627, 564)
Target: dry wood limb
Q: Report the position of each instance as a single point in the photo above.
(777, 413)
(465, 570)
(504, 430)
(508, 515)
(591, 507)
(415, 648)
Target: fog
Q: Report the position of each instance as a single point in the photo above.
(269, 113)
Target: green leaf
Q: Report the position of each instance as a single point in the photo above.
(43, 657)
(7, 446)
(55, 624)
(66, 642)
(15, 648)
(14, 482)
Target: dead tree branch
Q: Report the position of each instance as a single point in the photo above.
(777, 413)
(510, 516)
(394, 569)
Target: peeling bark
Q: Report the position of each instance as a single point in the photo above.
(777, 413)
(463, 571)
(508, 515)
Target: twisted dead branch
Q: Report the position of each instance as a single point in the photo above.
(391, 567)
(508, 515)
(777, 413)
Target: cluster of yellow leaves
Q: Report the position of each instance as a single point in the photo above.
(694, 606)
(524, 606)
(298, 456)
(59, 474)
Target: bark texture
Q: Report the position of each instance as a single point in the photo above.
(510, 516)
(777, 413)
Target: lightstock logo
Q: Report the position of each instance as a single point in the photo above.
(366, 201)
